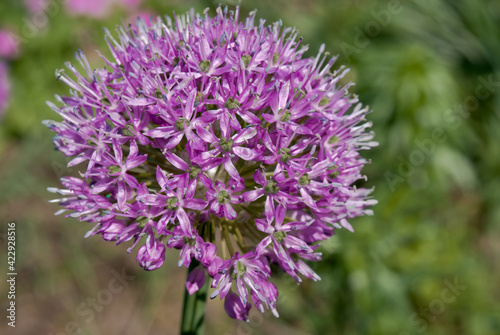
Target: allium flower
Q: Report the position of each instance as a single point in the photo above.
(4, 87)
(218, 138)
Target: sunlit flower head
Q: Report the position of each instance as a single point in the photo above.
(216, 137)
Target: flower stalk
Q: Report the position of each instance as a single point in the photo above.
(193, 313)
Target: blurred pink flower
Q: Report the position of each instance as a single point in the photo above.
(92, 8)
(35, 5)
(98, 8)
(8, 45)
(4, 87)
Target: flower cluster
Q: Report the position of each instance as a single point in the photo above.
(218, 138)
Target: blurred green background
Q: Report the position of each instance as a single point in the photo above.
(426, 263)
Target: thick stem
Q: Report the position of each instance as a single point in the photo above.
(193, 313)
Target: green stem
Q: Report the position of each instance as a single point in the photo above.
(193, 313)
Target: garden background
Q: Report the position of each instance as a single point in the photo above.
(425, 263)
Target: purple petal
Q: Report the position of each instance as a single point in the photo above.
(229, 212)
(292, 242)
(212, 163)
(135, 162)
(117, 151)
(246, 153)
(79, 159)
(283, 96)
(176, 161)
(152, 199)
(224, 124)
(252, 195)
(306, 271)
(346, 225)
(189, 108)
(242, 290)
(173, 141)
(191, 189)
(196, 279)
(269, 209)
(280, 216)
(140, 102)
(307, 198)
(134, 150)
(245, 135)
(264, 226)
(235, 308)
(160, 132)
(259, 177)
(184, 220)
(210, 253)
(195, 142)
(161, 177)
(130, 180)
(121, 195)
(205, 135)
(228, 165)
(214, 266)
(271, 118)
(196, 204)
(262, 245)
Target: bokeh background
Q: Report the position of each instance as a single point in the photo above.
(425, 263)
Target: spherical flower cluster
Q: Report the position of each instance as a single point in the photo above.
(215, 137)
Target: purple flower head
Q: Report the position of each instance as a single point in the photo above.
(217, 138)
